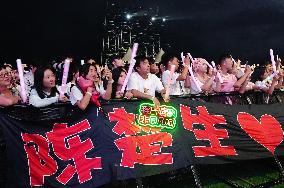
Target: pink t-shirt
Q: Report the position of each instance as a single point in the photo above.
(228, 82)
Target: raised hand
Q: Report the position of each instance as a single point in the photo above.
(63, 99)
(108, 74)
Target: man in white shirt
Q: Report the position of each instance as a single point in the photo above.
(143, 84)
(176, 82)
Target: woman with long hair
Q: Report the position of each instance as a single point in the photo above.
(45, 91)
(85, 90)
(264, 80)
(119, 75)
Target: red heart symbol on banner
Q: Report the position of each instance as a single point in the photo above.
(267, 131)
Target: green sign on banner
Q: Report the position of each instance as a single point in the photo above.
(157, 117)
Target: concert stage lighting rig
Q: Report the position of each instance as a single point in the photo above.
(127, 24)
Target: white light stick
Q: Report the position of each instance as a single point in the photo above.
(233, 60)
(169, 81)
(191, 58)
(218, 73)
(192, 75)
(182, 57)
(194, 80)
(210, 66)
(82, 62)
(105, 68)
(131, 66)
(273, 61)
(23, 92)
(64, 77)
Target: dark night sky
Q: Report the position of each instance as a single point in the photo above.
(207, 28)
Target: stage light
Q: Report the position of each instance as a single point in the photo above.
(153, 18)
(128, 16)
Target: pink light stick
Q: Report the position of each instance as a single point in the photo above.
(23, 92)
(192, 75)
(194, 79)
(131, 66)
(64, 77)
(273, 61)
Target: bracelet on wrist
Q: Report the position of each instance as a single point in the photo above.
(186, 65)
(89, 93)
(110, 81)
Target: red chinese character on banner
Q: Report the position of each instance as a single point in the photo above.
(146, 110)
(67, 146)
(139, 149)
(125, 122)
(40, 163)
(209, 133)
(162, 112)
(144, 119)
(145, 149)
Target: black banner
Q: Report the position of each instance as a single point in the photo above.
(135, 139)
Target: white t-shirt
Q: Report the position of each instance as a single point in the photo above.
(77, 95)
(147, 86)
(36, 101)
(175, 86)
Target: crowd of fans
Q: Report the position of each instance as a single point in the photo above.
(91, 82)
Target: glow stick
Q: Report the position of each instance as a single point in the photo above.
(82, 62)
(194, 79)
(192, 75)
(182, 57)
(273, 61)
(191, 58)
(23, 92)
(169, 81)
(218, 73)
(64, 77)
(131, 66)
(210, 66)
(233, 60)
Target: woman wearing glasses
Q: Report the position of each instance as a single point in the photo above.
(6, 96)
